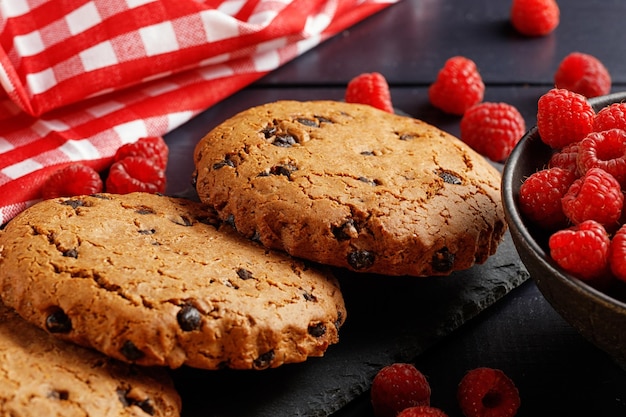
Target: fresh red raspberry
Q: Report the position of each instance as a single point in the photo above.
(488, 392)
(606, 150)
(583, 74)
(535, 17)
(396, 387)
(540, 197)
(153, 147)
(595, 196)
(74, 179)
(563, 117)
(370, 88)
(492, 129)
(582, 250)
(612, 116)
(135, 173)
(422, 411)
(617, 254)
(566, 158)
(458, 86)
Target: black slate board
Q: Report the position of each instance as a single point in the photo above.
(390, 319)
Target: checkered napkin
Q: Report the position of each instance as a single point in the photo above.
(83, 77)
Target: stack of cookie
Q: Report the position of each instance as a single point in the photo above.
(291, 194)
(160, 281)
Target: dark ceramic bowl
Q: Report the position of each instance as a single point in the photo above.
(599, 316)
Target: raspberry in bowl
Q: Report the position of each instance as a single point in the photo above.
(575, 250)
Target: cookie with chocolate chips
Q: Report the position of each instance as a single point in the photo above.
(45, 376)
(158, 280)
(352, 186)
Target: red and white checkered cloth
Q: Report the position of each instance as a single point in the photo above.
(83, 77)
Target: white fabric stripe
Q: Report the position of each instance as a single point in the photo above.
(83, 18)
(29, 44)
(159, 39)
(21, 168)
(81, 149)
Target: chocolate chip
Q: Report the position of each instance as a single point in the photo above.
(361, 259)
(339, 320)
(71, 253)
(309, 297)
(130, 351)
(285, 170)
(367, 153)
(181, 220)
(225, 163)
(58, 322)
(269, 131)
(366, 180)
(73, 203)
(189, 318)
(443, 260)
(144, 210)
(101, 196)
(307, 122)
(449, 178)
(62, 395)
(323, 119)
(231, 221)
(146, 231)
(244, 274)
(284, 140)
(256, 237)
(317, 330)
(127, 398)
(346, 231)
(264, 360)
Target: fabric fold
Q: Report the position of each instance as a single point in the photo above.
(82, 78)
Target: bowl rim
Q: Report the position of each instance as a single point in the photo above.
(509, 196)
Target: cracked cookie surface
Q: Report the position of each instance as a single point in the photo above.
(352, 186)
(156, 280)
(44, 376)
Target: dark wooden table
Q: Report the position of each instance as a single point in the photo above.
(557, 372)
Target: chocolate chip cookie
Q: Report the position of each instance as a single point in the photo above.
(45, 376)
(158, 280)
(352, 186)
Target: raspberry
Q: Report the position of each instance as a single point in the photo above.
(595, 196)
(135, 173)
(396, 387)
(492, 129)
(488, 392)
(371, 89)
(458, 86)
(563, 117)
(422, 411)
(153, 147)
(583, 74)
(535, 17)
(540, 197)
(566, 158)
(606, 150)
(612, 116)
(75, 179)
(617, 254)
(582, 250)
